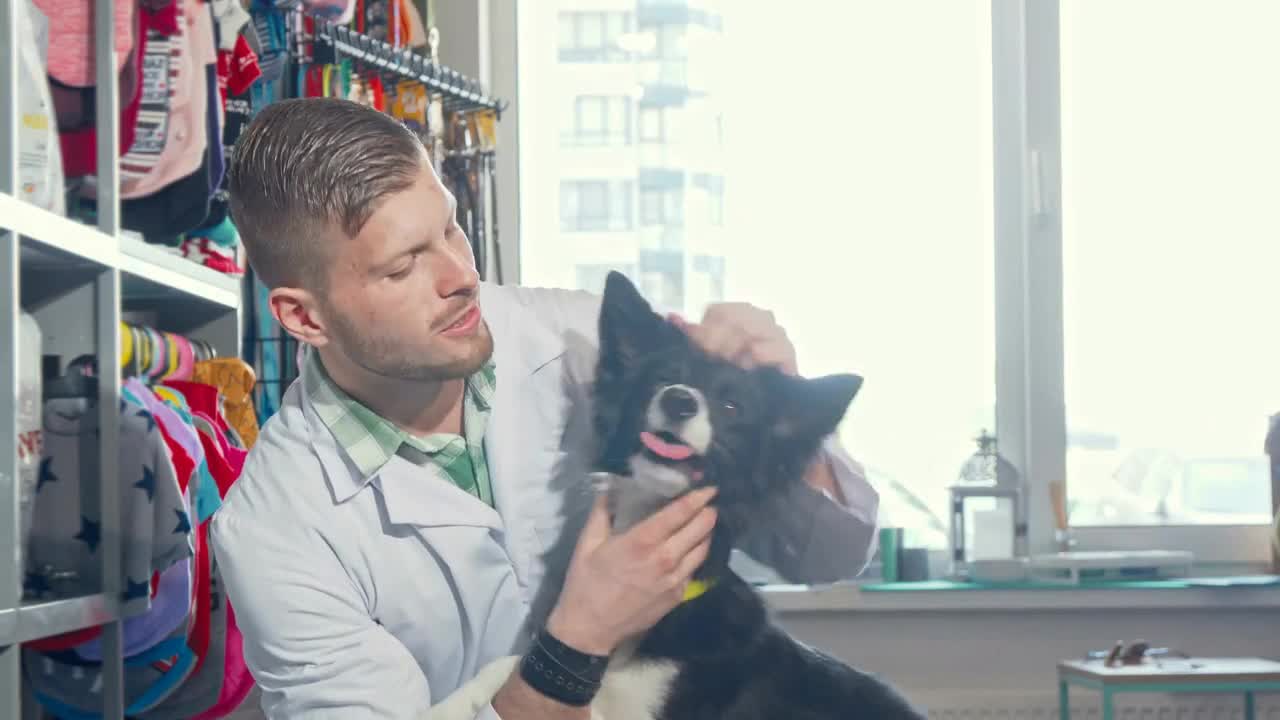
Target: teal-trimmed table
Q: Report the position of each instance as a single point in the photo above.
(1245, 676)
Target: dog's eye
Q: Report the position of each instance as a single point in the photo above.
(730, 407)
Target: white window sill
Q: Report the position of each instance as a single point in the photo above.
(934, 597)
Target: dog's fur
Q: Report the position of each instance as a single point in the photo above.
(670, 418)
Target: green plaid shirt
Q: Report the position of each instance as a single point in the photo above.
(371, 441)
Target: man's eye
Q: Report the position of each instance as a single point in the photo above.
(404, 270)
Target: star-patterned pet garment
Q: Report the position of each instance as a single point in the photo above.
(66, 534)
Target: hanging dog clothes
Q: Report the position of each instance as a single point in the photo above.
(67, 532)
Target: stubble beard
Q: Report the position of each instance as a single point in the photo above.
(383, 357)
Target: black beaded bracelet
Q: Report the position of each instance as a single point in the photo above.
(561, 672)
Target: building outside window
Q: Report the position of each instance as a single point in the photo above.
(875, 224)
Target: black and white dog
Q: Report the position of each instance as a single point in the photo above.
(670, 418)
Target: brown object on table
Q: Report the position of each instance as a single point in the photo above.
(1114, 656)
(1058, 496)
(1221, 670)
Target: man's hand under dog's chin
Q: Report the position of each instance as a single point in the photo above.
(751, 337)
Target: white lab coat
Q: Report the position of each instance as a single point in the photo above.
(375, 599)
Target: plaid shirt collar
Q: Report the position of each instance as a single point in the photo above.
(370, 441)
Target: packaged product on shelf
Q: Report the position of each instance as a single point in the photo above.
(40, 179)
(30, 443)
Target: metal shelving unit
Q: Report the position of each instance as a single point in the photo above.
(79, 282)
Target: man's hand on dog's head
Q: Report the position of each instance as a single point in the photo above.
(751, 337)
(743, 334)
(620, 585)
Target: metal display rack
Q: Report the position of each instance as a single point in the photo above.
(78, 281)
(460, 92)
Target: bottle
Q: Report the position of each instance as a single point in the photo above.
(30, 426)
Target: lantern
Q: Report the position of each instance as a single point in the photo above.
(988, 510)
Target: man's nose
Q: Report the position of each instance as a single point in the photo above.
(457, 274)
(678, 403)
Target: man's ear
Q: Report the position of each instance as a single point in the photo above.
(629, 328)
(298, 313)
(813, 409)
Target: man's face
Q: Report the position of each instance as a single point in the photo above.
(402, 295)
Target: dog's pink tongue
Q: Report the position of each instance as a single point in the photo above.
(664, 449)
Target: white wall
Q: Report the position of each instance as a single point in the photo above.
(1001, 664)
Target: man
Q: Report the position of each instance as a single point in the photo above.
(401, 520)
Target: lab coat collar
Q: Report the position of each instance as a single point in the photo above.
(521, 339)
(413, 495)
(523, 345)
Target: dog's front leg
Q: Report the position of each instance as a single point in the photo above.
(467, 701)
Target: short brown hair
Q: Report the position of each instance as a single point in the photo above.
(307, 165)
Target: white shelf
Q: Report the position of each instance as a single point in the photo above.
(157, 273)
(57, 233)
(39, 620)
(151, 273)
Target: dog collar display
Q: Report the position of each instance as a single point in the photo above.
(696, 588)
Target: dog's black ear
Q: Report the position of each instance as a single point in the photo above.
(812, 409)
(629, 327)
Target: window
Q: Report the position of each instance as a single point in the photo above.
(600, 120)
(1081, 227)
(664, 287)
(592, 276)
(595, 205)
(706, 284)
(833, 241)
(671, 42)
(660, 125)
(662, 206)
(1169, 178)
(652, 125)
(593, 36)
(709, 195)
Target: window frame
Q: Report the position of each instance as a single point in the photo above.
(1030, 347)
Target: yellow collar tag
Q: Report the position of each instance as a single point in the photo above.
(696, 588)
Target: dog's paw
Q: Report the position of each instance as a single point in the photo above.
(467, 701)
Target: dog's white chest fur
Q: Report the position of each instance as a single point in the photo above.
(630, 691)
(634, 691)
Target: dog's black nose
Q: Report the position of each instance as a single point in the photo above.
(678, 403)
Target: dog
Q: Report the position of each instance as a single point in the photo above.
(668, 419)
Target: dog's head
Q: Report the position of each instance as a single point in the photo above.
(670, 417)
